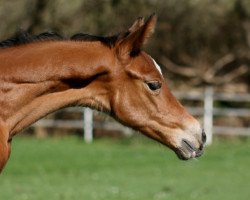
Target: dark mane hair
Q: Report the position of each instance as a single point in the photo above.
(108, 41)
(23, 37)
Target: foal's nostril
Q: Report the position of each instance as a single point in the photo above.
(203, 136)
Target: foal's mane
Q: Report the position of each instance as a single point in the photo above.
(23, 37)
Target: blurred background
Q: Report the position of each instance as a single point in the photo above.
(203, 48)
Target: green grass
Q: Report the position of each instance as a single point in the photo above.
(62, 169)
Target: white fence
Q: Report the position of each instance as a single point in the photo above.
(207, 112)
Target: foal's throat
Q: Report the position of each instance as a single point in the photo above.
(48, 102)
(40, 106)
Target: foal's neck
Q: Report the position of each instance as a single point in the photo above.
(39, 78)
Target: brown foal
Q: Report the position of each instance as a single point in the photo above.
(112, 74)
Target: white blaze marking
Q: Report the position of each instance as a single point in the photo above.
(157, 66)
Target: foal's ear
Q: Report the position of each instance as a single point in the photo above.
(136, 25)
(139, 32)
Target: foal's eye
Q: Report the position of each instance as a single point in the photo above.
(154, 85)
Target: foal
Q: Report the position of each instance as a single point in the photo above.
(44, 73)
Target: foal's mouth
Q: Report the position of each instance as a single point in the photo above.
(185, 150)
(188, 150)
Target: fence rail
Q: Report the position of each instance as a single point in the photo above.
(207, 112)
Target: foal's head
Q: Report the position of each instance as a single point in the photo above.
(140, 98)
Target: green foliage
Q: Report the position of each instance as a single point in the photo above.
(140, 170)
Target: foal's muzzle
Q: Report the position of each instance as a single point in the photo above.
(189, 150)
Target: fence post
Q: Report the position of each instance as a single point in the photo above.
(208, 114)
(88, 125)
